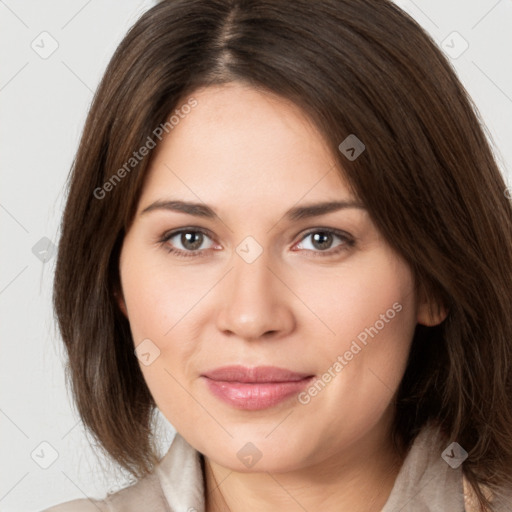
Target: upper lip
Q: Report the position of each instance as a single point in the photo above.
(237, 373)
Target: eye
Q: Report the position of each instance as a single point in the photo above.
(187, 242)
(191, 242)
(322, 240)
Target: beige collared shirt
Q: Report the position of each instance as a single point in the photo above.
(425, 483)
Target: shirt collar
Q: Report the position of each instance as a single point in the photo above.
(425, 482)
(181, 477)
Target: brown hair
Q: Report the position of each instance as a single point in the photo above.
(427, 177)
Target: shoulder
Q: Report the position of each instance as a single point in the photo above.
(175, 480)
(83, 505)
(145, 494)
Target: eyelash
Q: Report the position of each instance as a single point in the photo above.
(347, 240)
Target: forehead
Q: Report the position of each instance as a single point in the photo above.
(244, 146)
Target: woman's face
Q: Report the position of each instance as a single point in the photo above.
(260, 278)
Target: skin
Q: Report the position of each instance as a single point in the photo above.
(252, 156)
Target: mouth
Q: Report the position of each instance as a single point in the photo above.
(255, 388)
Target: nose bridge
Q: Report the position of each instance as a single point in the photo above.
(253, 303)
(251, 279)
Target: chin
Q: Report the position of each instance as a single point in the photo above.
(256, 452)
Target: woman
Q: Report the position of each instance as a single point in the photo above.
(286, 231)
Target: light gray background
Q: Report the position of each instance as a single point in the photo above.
(43, 104)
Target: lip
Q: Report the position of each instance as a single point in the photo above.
(255, 388)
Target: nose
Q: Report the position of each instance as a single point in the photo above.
(254, 303)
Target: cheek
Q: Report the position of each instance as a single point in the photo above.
(162, 305)
(158, 300)
(157, 303)
(372, 312)
(371, 298)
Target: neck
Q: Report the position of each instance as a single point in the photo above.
(356, 480)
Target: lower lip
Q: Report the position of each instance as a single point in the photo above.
(254, 396)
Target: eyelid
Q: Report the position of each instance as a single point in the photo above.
(173, 232)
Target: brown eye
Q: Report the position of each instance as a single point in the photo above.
(322, 240)
(326, 241)
(191, 240)
(187, 242)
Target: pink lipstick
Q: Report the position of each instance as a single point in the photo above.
(255, 388)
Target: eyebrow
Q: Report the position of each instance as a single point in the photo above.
(293, 214)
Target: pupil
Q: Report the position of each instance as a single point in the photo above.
(187, 239)
(322, 240)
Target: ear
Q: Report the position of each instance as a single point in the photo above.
(430, 311)
(120, 302)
